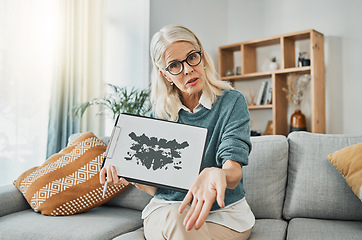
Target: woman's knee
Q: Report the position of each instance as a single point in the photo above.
(173, 215)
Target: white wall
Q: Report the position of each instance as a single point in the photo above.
(207, 18)
(126, 45)
(221, 22)
(126, 30)
(341, 24)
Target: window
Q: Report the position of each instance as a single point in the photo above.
(27, 35)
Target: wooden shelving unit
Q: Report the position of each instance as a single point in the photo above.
(288, 64)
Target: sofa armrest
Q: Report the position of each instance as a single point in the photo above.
(11, 200)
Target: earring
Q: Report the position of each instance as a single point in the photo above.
(171, 83)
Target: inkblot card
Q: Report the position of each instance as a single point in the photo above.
(156, 152)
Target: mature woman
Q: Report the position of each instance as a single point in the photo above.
(185, 88)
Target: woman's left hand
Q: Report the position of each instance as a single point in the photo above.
(209, 186)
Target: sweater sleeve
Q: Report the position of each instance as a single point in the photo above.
(235, 139)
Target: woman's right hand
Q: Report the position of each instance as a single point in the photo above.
(113, 179)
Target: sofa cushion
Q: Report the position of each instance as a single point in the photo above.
(269, 229)
(348, 161)
(315, 187)
(99, 223)
(11, 200)
(68, 182)
(135, 235)
(132, 198)
(266, 175)
(303, 228)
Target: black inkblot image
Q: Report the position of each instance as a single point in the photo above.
(155, 153)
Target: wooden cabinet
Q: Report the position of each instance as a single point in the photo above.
(286, 47)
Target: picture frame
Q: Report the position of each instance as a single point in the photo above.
(156, 152)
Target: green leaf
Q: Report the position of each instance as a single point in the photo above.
(120, 99)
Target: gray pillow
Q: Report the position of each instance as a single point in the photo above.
(266, 175)
(315, 187)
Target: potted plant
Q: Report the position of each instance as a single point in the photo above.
(120, 100)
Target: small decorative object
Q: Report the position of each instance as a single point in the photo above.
(300, 58)
(255, 133)
(229, 73)
(306, 62)
(303, 59)
(297, 121)
(120, 100)
(238, 70)
(273, 65)
(296, 87)
(269, 128)
(252, 95)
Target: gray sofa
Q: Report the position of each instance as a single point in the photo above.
(293, 190)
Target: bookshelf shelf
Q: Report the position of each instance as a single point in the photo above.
(286, 44)
(266, 106)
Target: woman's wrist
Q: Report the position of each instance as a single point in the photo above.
(233, 173)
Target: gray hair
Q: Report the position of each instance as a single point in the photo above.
(165, 98)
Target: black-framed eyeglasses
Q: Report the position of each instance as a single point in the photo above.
(176, 67)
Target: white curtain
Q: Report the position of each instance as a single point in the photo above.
(91, 59)
(79, 44)
(27, 37)
(79, 69)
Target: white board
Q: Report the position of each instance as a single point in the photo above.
(156, 152)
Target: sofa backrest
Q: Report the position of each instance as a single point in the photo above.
(315, 187)
(266, 175)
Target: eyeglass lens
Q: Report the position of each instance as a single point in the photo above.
(193, 60)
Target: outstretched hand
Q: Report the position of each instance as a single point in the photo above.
(208, 187)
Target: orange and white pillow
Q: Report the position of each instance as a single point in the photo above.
(68, 182)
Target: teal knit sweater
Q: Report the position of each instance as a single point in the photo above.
(227, 123)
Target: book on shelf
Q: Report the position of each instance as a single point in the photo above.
(265, 91)
(269, 93)
(260, 94)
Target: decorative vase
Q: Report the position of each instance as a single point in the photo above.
(273, 66)
(297, 121)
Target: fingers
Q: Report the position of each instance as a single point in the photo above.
(112, 177)
(185, 202)
(209, 186)
(203, 215)
(220, 190)
(190, 213)
(102, 176)
(193, 214)
(197, 214)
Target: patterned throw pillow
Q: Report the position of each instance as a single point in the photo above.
(348, 161)
(68, 182)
